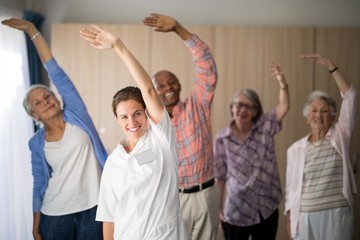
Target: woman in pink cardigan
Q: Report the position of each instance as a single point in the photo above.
(319, 177)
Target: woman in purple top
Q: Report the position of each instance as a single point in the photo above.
(245, 164)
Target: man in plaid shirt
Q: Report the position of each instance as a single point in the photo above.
(199, 198)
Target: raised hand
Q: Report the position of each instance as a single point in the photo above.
(19, 24)
(341, 82)
(276, 71)
(98, 37)
(28, 27)
(317, 58)
(161, 23)
(284, 99)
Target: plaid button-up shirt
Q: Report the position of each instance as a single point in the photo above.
(191, 119)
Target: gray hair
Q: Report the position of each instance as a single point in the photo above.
(27, 104)
(254, 98)
(319, 95)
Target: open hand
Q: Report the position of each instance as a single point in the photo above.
(19, 24)
(98, 37)
(276, 71)
(161, 23)
(317, 58)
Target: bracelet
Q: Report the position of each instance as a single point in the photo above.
(35, 36)
(331, 71)
(285, 87)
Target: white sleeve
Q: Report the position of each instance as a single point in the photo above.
(165, 128)
(107, 198)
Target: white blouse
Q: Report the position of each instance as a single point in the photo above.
(139, 190)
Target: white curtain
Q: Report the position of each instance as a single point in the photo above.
(15, 130)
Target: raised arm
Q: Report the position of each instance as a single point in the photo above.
(205, 66)
(284, 100)
(163, 23)
(45, 55)
(28, 27)
(102, 39)
(342, 84)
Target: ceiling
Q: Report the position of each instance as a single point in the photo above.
(306, 13)
(221, 12)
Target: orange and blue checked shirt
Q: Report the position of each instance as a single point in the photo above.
(191, 119)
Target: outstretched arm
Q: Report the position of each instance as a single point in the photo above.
(102, 39)
(342, 84)
(163, 23)
(45, 55)
(34, 34)
(284, 100)
(205, 66)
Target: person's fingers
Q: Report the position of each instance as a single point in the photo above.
(87, 38)
(155, 14)
(87, 33)
(9, 22)
(151, 21)
(5, 22)
(96, 29)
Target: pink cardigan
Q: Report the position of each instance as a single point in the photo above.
(339, 136)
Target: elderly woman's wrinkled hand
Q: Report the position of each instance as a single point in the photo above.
(19, 24)
(276, 71)
(317, 58)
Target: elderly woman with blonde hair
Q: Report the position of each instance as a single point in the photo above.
(319, 177)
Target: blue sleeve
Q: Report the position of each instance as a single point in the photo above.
(74, 108)
(40, 169)
(69, 94)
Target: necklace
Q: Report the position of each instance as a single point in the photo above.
(316, 143)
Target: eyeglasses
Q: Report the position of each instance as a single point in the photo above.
(240, 105)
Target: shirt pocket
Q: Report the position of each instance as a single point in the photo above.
(146, 166)
(145, 157)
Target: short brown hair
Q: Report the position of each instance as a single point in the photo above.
(125, 94)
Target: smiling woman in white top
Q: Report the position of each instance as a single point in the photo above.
(139, 197)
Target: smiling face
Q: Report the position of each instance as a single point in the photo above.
(44, 105)
(243, 110)
(168, 88)
(132, 119)
(319, 116)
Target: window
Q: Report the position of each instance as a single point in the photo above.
(16, 128)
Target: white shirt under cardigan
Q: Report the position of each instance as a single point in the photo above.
(339, 136)
(139, 190)
(75, 179)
